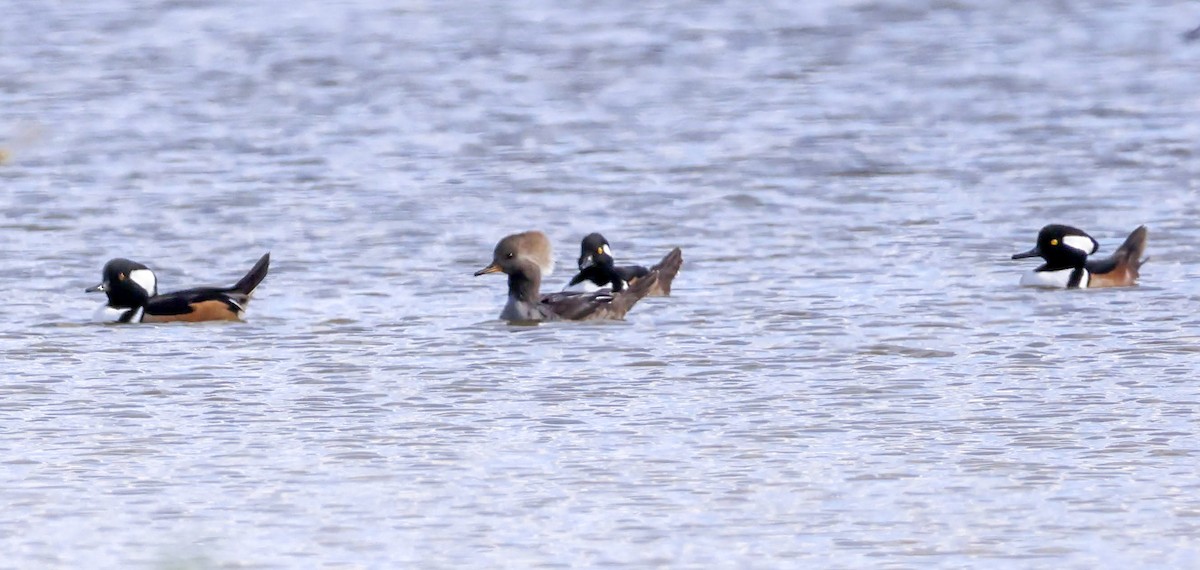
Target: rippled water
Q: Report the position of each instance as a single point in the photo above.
(846, 377)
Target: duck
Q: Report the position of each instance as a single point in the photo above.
(1066, 251)
(526, 257)
(132, 291)
(598, 268)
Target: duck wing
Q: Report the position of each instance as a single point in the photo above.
(602, 304)
(630, 272)
(1123, 267)
(196, 301)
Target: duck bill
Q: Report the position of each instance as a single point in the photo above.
(97, 289)
(1035, 252)
(585, 262)
(493, 268)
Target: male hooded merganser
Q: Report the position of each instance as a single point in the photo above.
(525, 257)
(596, 265)
(133, 296)
(1066, 249)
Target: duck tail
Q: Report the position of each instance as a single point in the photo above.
(257, 273)
(629, 296)
(667, 269)
(1129, 256)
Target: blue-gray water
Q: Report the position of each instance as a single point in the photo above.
(846, 377)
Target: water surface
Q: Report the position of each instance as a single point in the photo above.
(847, 375)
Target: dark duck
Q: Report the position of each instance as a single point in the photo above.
(527, 257)
(597, 267)
(132, 291)
(1068, 263)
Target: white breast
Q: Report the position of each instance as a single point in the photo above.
(107, 314)
(1052, 279)
(583, 286)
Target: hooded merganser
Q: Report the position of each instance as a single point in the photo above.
(596, 265)
(133, 297)
(1066, 249)
(525, 257)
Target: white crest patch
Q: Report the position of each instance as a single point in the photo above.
(1082, 243)
(146, 280)
(1052, 279)
(605, 250)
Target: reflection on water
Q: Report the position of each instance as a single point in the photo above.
(846, 373)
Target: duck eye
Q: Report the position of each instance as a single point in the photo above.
(1054, 241)
(600, 249)
(120, 277)
(508, 255)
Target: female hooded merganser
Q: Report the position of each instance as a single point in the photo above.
(1066, 249)
(525, 257)
(133, 297)
(596, 265)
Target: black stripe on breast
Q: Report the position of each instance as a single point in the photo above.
(1076, 278)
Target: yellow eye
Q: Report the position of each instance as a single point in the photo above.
(1054, 241)
(120, 277)
(600, 249)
